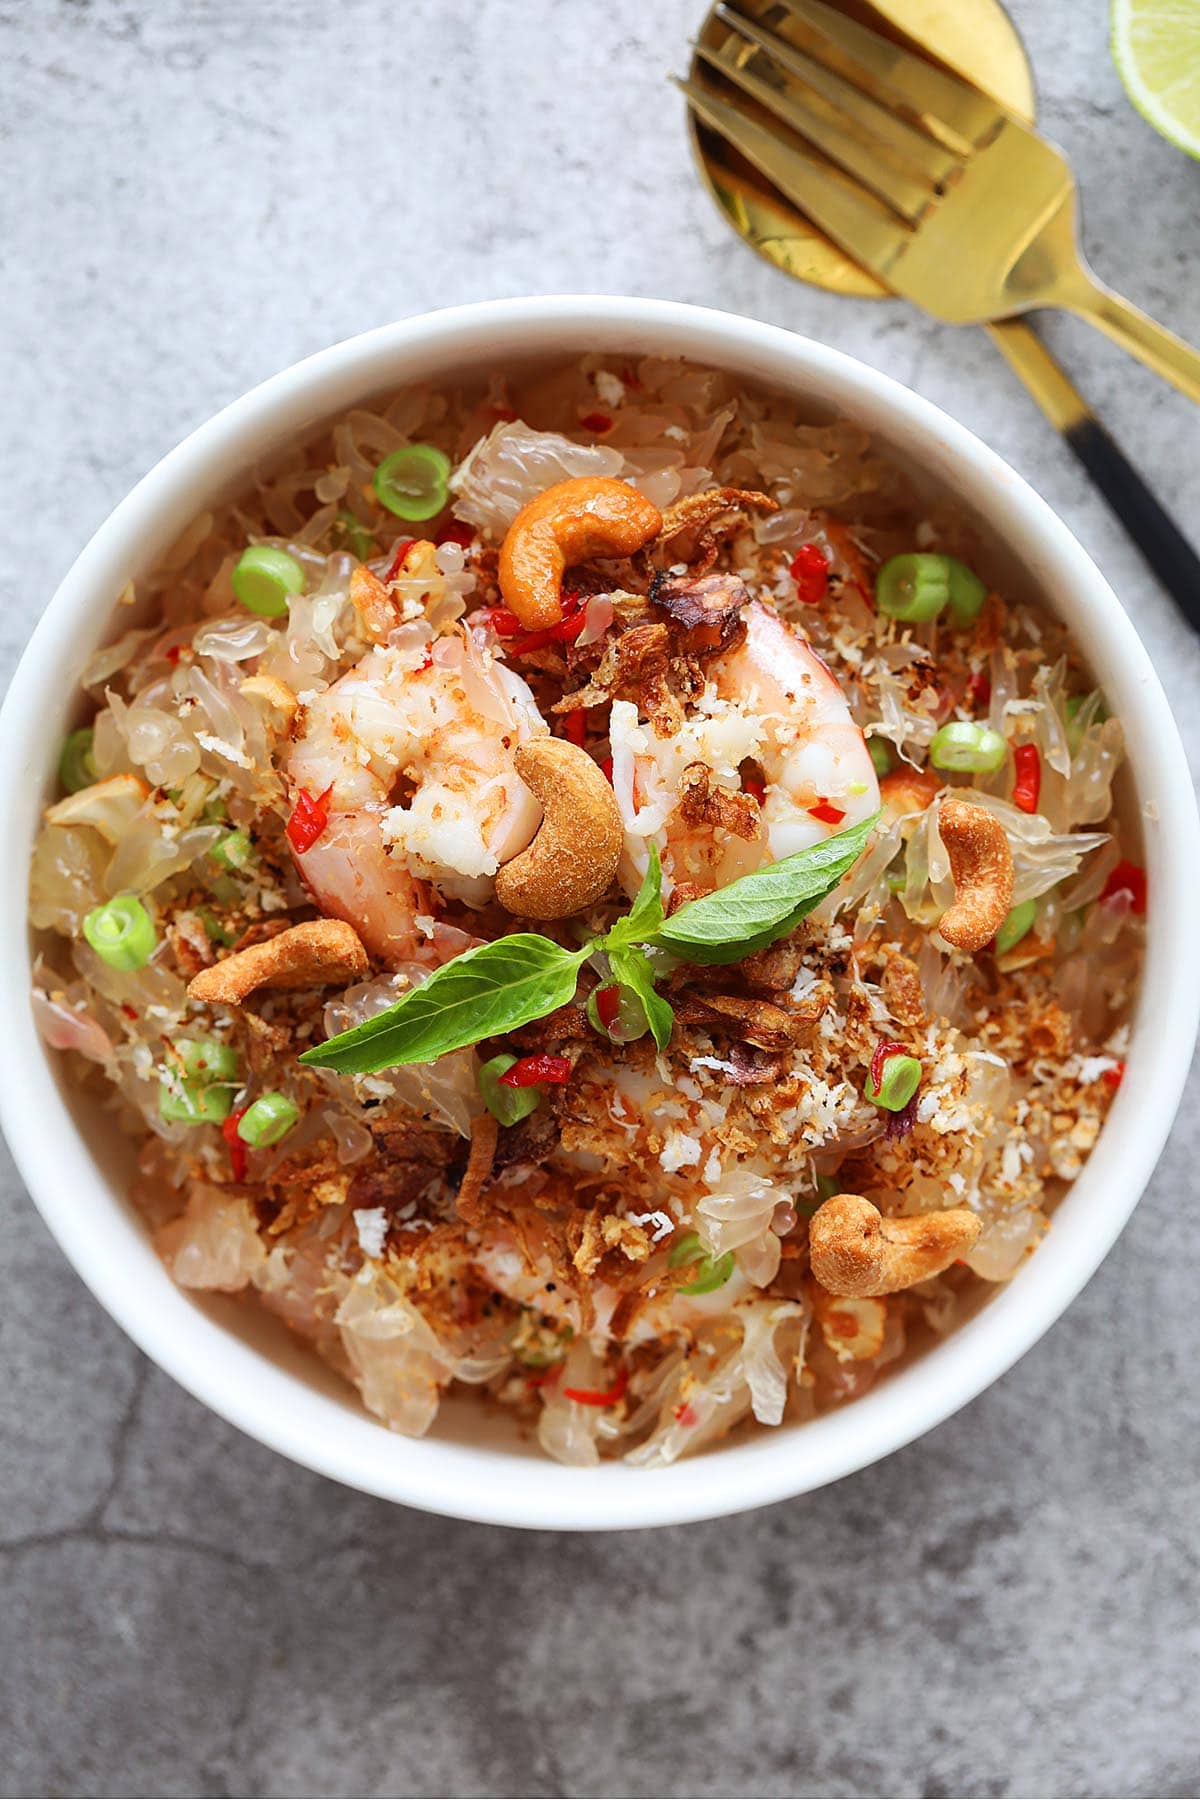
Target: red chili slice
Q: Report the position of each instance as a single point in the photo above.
(1127, 878)
(237, 1149)
(1027, 784)
(532, 1071)
(544, 1377)
(809, 569)
(455, 533)
(397, 562)
(309, 819)
(879, 1061)
(563, 633)
(505, 624)
(596, 422)
(599, 1396)
(979, 690)
(575, 727)
(756, 789)
(826, 813)
(1113, 1077)
(606, 769)
(608, 1004)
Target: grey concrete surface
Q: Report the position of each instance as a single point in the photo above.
(193, 195)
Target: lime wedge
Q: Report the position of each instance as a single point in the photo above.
(1156, 47)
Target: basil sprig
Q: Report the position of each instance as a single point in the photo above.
(491, 989)
(755, 910)
(498, 987)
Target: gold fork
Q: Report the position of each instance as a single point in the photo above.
(923, 179)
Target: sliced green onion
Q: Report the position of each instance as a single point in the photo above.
(1017, 925)
(235, 851)
(217, 933)
(412, 482)
(507, 1104)
(627, 1023)
(121, 932)
(967, 592)
(270, 1118)
(974, 749)
(77, 763)
(265, 579)
(357, 536)
(914, 587)
(828, 1186)
(711, 1274)
(194, 1103)
(206, 1059)
(881, 756)
(1078, 720)
(899, 1081)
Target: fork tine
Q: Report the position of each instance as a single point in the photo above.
(908, 197)
(899, 76)
(870, 235)
(885, 134)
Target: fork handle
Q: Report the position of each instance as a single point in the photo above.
(1143, 515)
(1151, 343)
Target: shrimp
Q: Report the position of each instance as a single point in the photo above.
(771, 703)
(414, 748)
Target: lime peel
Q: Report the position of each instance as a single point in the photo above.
(1156, 49)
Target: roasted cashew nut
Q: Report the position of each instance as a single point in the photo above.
(573, 858)
(982, 866)
(855, 1251)
(571, 522)
(318, 953)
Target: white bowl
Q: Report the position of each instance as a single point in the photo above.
(245, 1366)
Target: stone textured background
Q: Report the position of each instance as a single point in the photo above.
(194, 195)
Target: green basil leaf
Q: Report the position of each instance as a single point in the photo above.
(646, 914)
(752, 912)
(483, 992)
(714, 955)
(633, 969)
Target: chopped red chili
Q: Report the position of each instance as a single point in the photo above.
(130, 1012)
(685, 1413)
(575, 727)
(1027, 784)
(880, 1058)
(599, 1396)
(543, 1377)
(309, 819)
(596, 421)
(826, 813)
(608, 1004)
(809, 569)
(755, 787)
(564, 632)
(1127, 878)
(455, 532)
(979, 690)
(173, 653)
(237, 1149)
(397, 562)
(606, 769)
(531, 1071)
(1113, 1077)
(505, 624)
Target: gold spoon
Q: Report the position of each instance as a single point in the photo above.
(976, 38)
